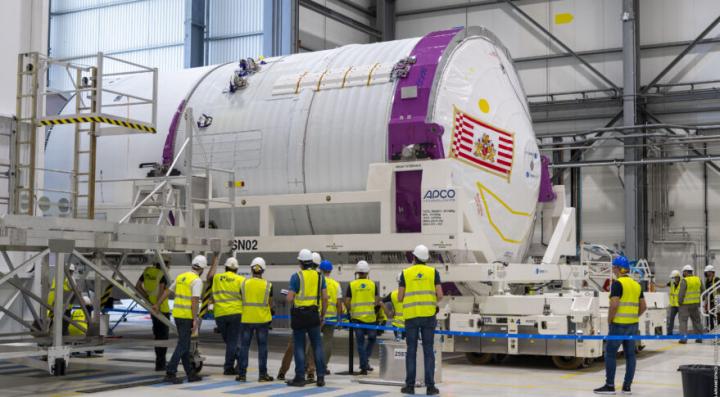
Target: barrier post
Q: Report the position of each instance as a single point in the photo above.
(351, 353)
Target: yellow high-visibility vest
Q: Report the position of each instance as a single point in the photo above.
(66, 290)
(420, 298)
(692, 292)
(332, 290)
(362, 300)
(226, 294)
(256, 300)
(309, 289)
(674, 291)
(629, 309)
(182, 307)
(151, 285)
(398, 319)
(78, 316)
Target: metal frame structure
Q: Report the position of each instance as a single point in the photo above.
(48, 244)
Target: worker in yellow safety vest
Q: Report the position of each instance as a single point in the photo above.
(674, 285)
(257, 318)
(78, 317)
(67, 289)
(152, 284)
(627, 304)
(188, 288)
(227, 309)
(396, 311)
(711, 281)
(307, 295)
(689, 300)
(361, 299)
(419, 291)
(334, 314)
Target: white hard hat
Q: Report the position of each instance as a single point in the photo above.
(200, 261)
(87, 301)
(674, 273)
(316, 258)
(71, 267)
(709, 268)
(421, 252)
(362, 267)
(687, 268)
(305, 255)
(258, 262)
(231, 263)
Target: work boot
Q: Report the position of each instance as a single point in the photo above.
(609, 390)
(232, 371)
(698, 340)
(432, 391)
(194, 378)
(683, 341)
(407, 390)
(172, 378)
(626, 390)
(296, 382)
(265, 378)
(310, 378)
(280, 376)
(321, 381)
(241, 378)
(160, 366)
(363, 372)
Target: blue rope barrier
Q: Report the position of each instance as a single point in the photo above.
(497, 335)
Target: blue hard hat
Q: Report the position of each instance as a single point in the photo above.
(326, 265)
(621, 261)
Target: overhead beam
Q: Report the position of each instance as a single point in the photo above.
(560, 43)
(449, 7)
(281, 23)
(682, 54)
(368, 12)
(194, 42)
(616, 50)
(341, 18)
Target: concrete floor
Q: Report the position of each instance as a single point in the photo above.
(128, 371)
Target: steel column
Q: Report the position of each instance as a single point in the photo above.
(59, 299)
(280, 27)
(194, 33)
(634, 176)
(385, 19)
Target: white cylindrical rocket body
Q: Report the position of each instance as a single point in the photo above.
(314, 122)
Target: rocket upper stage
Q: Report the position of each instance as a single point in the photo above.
(313, 122)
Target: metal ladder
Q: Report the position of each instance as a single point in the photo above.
(23, 149)
(91, 119)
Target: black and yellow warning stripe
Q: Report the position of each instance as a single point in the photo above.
(99, 119)
(106, 295)
(205, 305)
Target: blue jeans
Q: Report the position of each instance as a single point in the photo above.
(611, 349)
(230, 328)
(261, 331)
(365, 341)
(299, 351)
(424, 328)
(182, 349)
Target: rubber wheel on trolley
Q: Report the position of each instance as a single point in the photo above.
(479, 358)
(568, 363)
